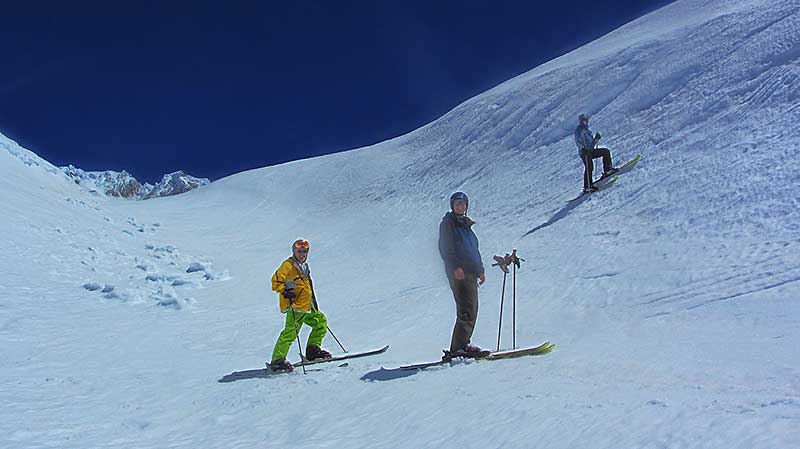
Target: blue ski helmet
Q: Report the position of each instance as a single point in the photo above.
(459, 196)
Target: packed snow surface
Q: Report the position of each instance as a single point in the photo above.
(672, 296)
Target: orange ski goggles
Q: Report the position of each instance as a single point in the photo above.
(301, 244)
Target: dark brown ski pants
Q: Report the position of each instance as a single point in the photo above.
(465, 293)
(588, 157)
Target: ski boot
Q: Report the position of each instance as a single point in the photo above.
(468, 352)
(314, 352)
(475, 352)
(591, 189)
(281, 365)
(610, 172)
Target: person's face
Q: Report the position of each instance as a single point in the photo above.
(585, 121)
(301, 254)
(459, 207)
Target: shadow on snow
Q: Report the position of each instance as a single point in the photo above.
(560, 214)
(256, 374)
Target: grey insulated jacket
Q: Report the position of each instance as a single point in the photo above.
(584, 139)
(458, 245)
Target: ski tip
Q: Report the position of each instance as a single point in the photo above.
(546, 349)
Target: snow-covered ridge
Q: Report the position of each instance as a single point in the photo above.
(123, 184)
(26, 156)
(111, 183)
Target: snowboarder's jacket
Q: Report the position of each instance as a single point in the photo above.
(294, 271)
(584, 139)
(458, 245)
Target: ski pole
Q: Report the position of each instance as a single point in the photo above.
(316, 307)
(297, 335)
(514, 308)
(334, 337)
(516, 260)
(502, 297)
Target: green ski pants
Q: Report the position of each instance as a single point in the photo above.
(294, 321)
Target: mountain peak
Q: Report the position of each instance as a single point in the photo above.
(124, 185)
(175, 183)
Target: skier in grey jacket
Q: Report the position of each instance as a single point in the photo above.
(458, 246)
(588, 151)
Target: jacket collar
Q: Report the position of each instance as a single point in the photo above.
(460, 220)
(301, 266)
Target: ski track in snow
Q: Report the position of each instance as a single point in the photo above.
(774, 266)
(671, 297)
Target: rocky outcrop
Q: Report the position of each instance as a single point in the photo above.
(124, 185)
(174, 184)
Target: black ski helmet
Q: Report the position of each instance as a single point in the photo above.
(583, 117)
(459, 196)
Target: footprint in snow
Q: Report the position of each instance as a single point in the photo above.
(106, 290)
(195, 267)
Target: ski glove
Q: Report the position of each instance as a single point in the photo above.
(288, 290)
(597, 136)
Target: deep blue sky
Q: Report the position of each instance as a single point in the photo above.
(215, 88)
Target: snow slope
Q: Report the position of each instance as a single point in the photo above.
(672, 296)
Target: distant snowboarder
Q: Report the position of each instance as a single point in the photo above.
(292, 281)
(588, 151)
(458, 246)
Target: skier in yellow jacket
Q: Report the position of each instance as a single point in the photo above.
(292, 282)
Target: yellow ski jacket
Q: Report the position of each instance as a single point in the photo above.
(304, 293)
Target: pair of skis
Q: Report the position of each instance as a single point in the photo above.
(349, 355)
(383, 374)
(542, 349)
(606, 182)
(267, 372)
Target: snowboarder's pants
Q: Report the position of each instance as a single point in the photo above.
(588, 157)
(294, 321)
(465, 293)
